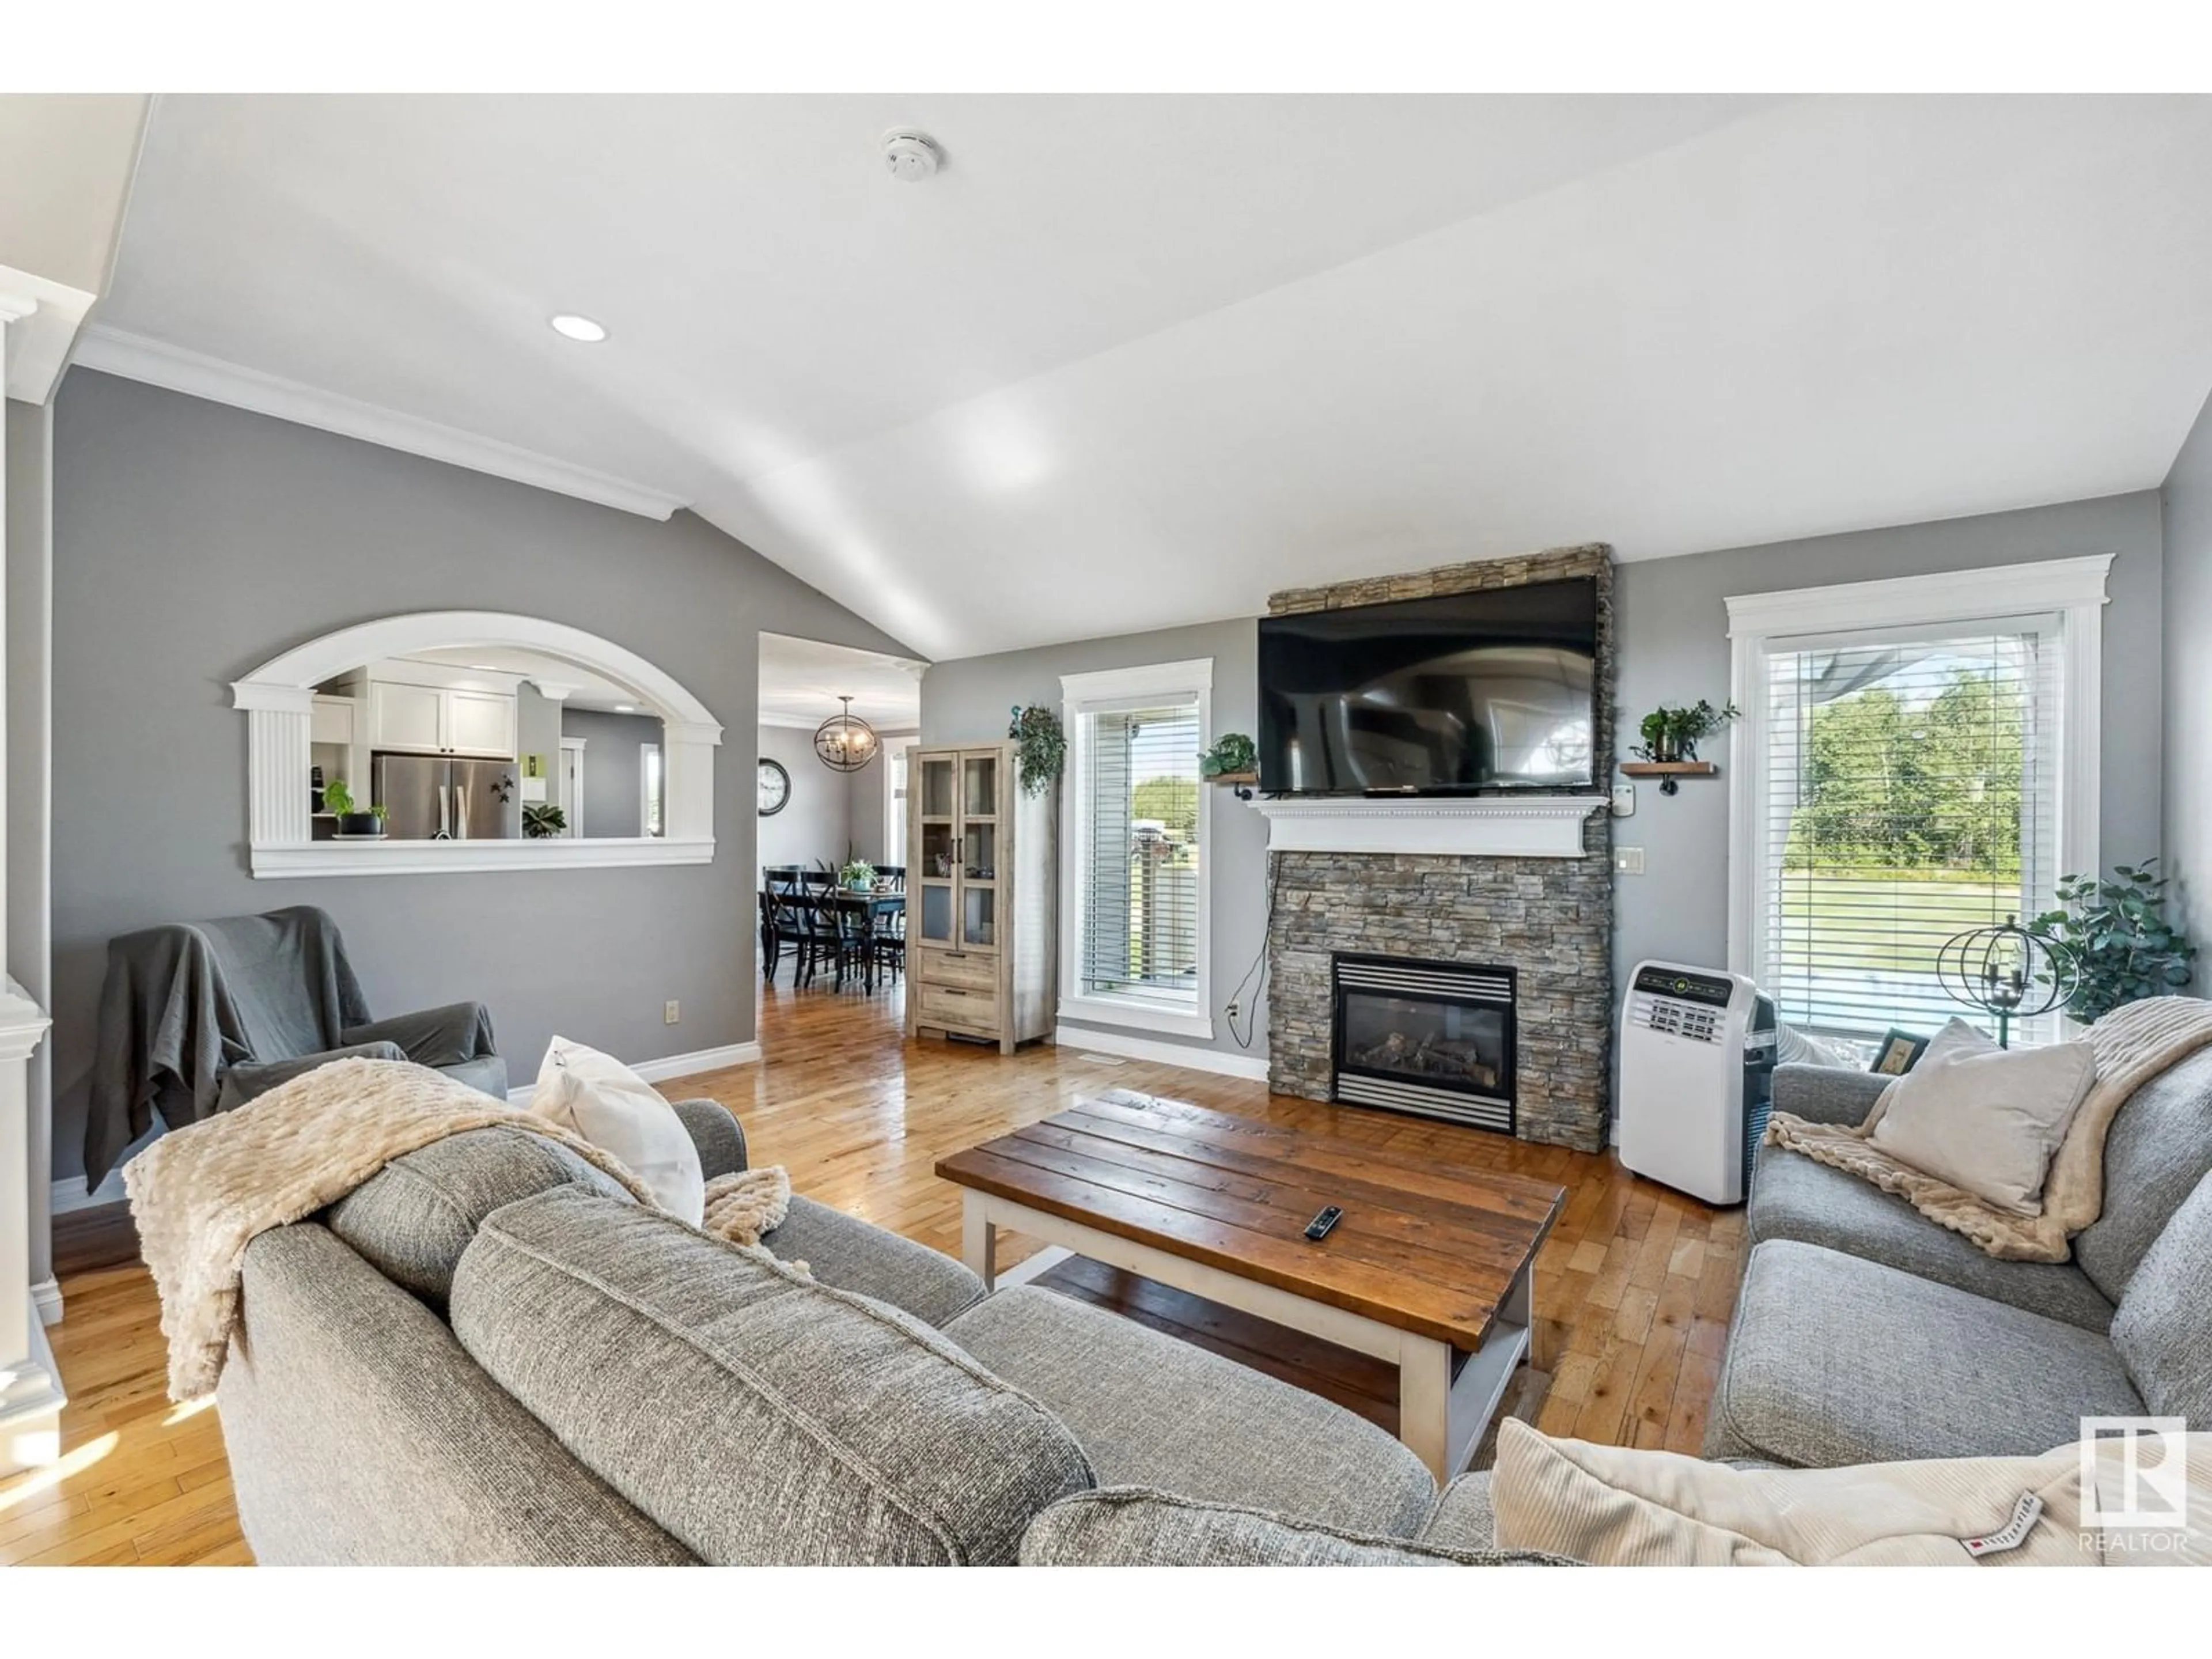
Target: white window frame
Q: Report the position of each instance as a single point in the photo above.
(899, 825)
(1104, 692)
(2074, 589)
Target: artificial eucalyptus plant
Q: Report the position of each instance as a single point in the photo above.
(2118, 935)
(1673, 734)
(1042, 743)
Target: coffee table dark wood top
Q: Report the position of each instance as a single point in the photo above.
(1424, 1246)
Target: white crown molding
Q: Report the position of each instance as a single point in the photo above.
(1526, 827)
(790, 722)
(41, 320)
(137, 357)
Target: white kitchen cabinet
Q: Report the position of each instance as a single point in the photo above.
(480, 723)
(431, 719)
(332, 720)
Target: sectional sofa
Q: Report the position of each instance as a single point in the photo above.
(489, 1354)
(1865, 1333)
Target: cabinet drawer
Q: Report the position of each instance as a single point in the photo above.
(948, 1004)
(974, 972)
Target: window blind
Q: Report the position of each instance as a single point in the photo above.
(1140, 923)
(1910, 794)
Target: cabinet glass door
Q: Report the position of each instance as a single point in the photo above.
(978, 916)
(939, 799)
(934, 899)
(979, 791)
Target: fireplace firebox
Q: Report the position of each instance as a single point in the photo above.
(1431, 1038)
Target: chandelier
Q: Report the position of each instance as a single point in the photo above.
(845, 743)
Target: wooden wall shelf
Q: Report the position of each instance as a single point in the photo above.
(1670, 774)
(1242, 782)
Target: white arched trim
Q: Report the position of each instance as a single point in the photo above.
(279, 699)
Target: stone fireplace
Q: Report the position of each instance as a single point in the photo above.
(1460, 900)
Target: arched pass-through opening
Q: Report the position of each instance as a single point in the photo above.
(279, 701)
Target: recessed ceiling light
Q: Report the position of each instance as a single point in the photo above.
(625, 708)
(573, 327)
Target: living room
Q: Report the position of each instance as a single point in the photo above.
(1413, 828)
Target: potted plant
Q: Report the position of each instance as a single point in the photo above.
(1041, 746)
(856, 876)
(2123, 946)
(1232, 755)
(1674, 734)
(541, 820)
(338, 800)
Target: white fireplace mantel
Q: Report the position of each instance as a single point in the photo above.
(1489, 826)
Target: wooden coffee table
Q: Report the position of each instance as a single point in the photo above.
(1429, 1269)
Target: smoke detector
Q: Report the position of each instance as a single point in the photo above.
(912, 156)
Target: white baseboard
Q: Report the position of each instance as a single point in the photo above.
(1252, 1067)
(70, 1195)
(671, 1065)
(47, 1297)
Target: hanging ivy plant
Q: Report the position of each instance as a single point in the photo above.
(1043, 746)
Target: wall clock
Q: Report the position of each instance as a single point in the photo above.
(775, 789)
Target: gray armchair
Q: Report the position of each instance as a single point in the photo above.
(200, 1017)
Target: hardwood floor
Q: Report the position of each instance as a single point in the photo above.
(1633, 1289)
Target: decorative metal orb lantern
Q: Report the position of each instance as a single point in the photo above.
(2007, 973)
(844, 742)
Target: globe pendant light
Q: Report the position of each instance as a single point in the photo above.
(845, 743)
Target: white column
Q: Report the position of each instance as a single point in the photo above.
(280, 795)
(687, 754)
(31, 1398)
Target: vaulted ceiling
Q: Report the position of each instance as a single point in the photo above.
(1132, 362)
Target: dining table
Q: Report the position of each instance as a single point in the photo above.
(873, 908)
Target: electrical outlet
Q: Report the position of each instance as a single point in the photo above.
(670, 1012)
(1235, 1010)
(1628, 861)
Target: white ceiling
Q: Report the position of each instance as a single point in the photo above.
(800, 680)
(584, 689)
(1133, 362)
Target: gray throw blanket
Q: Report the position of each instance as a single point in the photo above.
(196, 1018)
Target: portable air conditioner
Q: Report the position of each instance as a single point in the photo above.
(1697, 1075)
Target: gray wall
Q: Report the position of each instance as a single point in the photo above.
(816, 821)
(969, 701)
(614, 799)
(869, 804)
(2188, 652)
(194, 541)
(1673, 627)
(537, 732)
(29, 587)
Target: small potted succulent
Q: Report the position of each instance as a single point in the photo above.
(541, 820)
(353, 820)
(1674, 734)
(1234, 755)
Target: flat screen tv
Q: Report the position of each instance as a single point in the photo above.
(1466, 692)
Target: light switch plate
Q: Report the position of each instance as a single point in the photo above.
(1624, 801)
(1628, 861)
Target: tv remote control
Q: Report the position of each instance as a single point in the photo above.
(1319, 1226)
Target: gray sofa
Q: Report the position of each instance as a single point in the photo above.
(1865, 1333)
(489, 1354)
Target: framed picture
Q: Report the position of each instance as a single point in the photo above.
(1899, 1051)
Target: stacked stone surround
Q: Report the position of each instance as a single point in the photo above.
(1551, 919)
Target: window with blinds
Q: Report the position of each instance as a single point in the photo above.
(1139, 898)
(1909, 793)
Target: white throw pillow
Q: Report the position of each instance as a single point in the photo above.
(1612, 1506)
(1985, 1119)
(598, 1098)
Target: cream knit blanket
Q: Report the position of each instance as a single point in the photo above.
(201, 1193)
(2132, 1044)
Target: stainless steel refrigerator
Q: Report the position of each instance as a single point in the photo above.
(429, 798)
